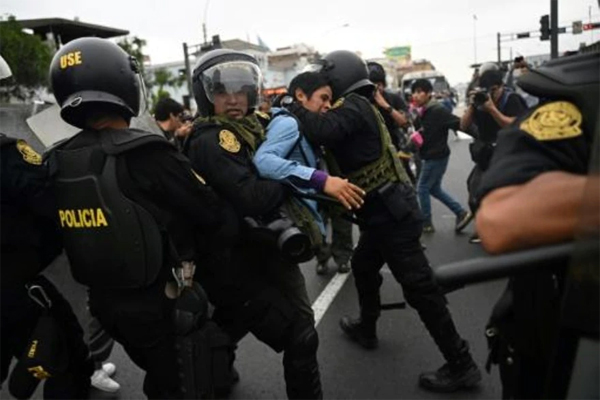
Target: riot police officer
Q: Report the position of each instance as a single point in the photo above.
(354, 132)
(533, 195)
(30, 241)
(122, 194)
(258, 291)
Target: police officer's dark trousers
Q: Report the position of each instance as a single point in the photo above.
(141, 320)
(397, 244)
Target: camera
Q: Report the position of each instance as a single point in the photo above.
(480, 97)
(294, 244)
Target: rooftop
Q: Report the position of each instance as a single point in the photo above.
(68, 30)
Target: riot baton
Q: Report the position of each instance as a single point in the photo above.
(483, 269)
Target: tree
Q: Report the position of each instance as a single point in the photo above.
(28, 57)
(164, 78)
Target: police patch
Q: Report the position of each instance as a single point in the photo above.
(228, 141)
(29, 155)
(554, 121)
(338, 103)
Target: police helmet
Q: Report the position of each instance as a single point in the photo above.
(5, 71)
(376, 72)
(225, 71)
(573, 78)
(346, 73)
(88, 72)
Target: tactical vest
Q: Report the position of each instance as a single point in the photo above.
(387, 168)
(111, 240)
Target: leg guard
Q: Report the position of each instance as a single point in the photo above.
(301, 369)
(205, 352)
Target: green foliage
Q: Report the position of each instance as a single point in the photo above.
(135, 47)
(28, 57)
(164, 78)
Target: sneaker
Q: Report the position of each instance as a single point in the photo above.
(102, 381)
(428, 227)
(356, 331)
(343, 268)
(474, 239)
(462, 220)
(322, 268)
(450, 379)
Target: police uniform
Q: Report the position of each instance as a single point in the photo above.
(30, 241)
(130, 208)
(557, 135)
(353, 131)
(257, 290)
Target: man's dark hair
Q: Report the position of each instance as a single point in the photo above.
(165, 107)
(422, 84)
(376, 72)
(308, 82)
(491, 78)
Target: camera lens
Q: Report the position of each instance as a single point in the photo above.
(295, 245)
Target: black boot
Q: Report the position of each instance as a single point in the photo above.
(460, 372)
(362, 332)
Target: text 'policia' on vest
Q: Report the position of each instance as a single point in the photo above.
(82, 218)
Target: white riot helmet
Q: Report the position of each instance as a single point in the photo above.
(5, 71)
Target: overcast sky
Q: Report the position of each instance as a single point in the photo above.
(442, 31)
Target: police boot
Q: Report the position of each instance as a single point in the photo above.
(362, 331)
(459, 372)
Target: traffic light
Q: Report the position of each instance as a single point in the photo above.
(545, 27)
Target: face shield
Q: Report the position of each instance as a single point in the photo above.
(143, 93)
(232, 78)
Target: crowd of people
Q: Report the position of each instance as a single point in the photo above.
(221, 211)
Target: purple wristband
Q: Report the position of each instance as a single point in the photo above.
(317, 180)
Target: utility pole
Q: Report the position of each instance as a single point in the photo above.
(188, 75)
(498, 47)
(553, 29)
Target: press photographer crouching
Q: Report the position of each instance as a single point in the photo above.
(492, 106)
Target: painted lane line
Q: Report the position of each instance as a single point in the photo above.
(327, 296)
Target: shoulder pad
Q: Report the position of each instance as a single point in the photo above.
(116, 141)
(556, 120)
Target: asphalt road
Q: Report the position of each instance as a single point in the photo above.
(348, 371)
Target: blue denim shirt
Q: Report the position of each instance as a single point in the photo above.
(286, 156)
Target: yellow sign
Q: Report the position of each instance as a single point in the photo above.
(554, 121)
(228, 141)
(82, 218)
(70, 59)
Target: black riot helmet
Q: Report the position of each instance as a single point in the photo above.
(225, 71)
(573, 78)
(346, 73)
(376, 72)
(91, 72)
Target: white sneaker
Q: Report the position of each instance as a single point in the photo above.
(109, 368)
(101, 381)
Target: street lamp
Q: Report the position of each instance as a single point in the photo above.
(474, 39)
(204, 20)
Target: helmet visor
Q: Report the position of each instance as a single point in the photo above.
(233, 78)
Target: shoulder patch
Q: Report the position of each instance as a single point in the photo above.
(228, 141)
(338, 103)
(554, 121)
(29, 154)
(262, 115)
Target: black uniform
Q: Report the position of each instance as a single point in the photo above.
(390, 223)
(30, 241)
(257, 291)
(131, 304)
(528, 324)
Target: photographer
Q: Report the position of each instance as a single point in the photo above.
(492, 106)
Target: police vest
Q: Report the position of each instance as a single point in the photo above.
(111, 240)
(387, 168)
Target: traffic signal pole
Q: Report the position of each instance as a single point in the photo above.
(553, 29)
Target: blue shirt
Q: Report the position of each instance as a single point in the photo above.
(286, 156)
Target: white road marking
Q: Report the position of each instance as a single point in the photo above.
(322, 303)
